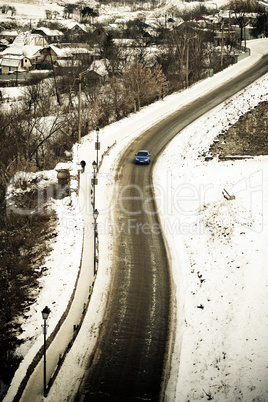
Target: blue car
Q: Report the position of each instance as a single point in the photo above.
(143, 157)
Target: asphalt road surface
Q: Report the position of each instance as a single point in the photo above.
(130, 362)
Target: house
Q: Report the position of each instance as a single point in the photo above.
(50, 35)
(67, 55)
(99, 32)
(10, 36)
(49, 55)
(74, 32)
(76, 29)
(74, 49)
(29, 39)
(11, 63)
(99, 70)
(31, 53)
(34, 54)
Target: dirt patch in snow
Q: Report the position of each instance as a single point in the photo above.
(247, 137)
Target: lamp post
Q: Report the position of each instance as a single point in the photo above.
(97, 145)
(94, 181)
(45, 314)
(95, 216)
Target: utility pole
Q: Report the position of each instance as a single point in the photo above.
(55, 81)
(187, 63)
(187, 59)
(222, 25)
(79, 108)
(80, 104)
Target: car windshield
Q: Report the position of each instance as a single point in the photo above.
(143, 153)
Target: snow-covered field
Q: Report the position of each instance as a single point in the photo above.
(219, 253)
(31, 12)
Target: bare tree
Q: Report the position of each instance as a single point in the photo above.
(241, 8)
(48, 14)
(38, 99)
(122, 99)
(145, 84)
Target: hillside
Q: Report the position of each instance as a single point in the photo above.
(31, 11)
(248, 136)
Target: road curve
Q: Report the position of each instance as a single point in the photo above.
(129, 361)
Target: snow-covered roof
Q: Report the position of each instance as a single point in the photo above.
(12, 50)
(126, 42)
(30, 51)
(49, 32)
(27, 51)
(75, 50)
(68, 63)
(100, 67)
(72, 25)
(11, 61)
(115, 26)
(9, 33)
(26, 38)
(68, 51)
(59, 52)
(121, 20)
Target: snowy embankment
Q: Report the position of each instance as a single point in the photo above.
(61, 266)
(219, 253)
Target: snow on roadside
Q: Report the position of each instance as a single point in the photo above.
(218, 251)
(60, 267)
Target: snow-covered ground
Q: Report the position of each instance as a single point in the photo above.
(34, 11)
(217, 250)
(219, 253)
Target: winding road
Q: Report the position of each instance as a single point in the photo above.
(130, 361)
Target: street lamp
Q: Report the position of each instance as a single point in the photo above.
(45, 314)
(97, 145)
(95, 216)
(94, 181)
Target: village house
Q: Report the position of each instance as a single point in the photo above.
(29, 39)
(75, 30)
(99, 70)
(24, 58)
(66, 55)
(49, 35)
(9, 36)
(11, 63)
